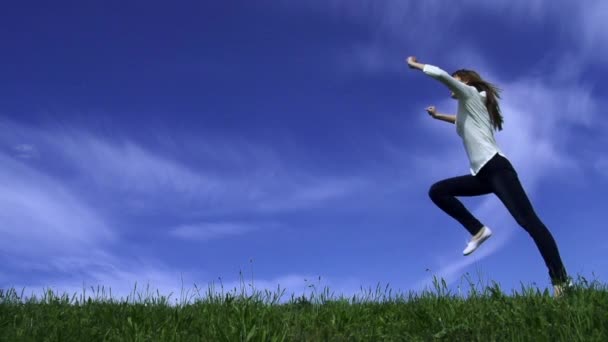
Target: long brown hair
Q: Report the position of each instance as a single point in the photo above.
(472, 78)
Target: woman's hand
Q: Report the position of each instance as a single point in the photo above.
(411, 60)
(443, 117)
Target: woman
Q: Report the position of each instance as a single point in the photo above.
(491, 172)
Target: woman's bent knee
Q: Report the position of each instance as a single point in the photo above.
(435, 191)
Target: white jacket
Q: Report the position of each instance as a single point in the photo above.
(473, 123)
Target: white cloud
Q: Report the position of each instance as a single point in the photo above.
(130, 168)
(105, 276)
(214, 230)
(601, 166)
(50, 226)
(306, 192)
(41, 216)
(594, 29)
(409, 19)
(269, 185)
(219, 176)
(523, 9)
(425, 28)
(138, 279)
(399, 19)
(26, 151)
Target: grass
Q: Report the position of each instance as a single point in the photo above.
(436, 314)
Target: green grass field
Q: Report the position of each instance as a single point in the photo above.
(483, 314)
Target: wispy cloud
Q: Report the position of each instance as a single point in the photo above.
(143, 278)
(424, 28)
(105, 275)
(398, 19)
(601, 165)
(41, 216)
(594, 32)
(210, 231)
(25, 151)
(44, 222)
(129, 168)
(220, 176)
(63, 230)
(409, 19)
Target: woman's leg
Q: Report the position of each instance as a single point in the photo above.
(443, 194)
(507, 187)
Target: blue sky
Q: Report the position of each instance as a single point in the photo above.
(151, 143)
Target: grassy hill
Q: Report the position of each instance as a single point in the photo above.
(485, 314)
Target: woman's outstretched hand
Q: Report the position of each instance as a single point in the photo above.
(412, 62)
(443, 117)
(432, 111)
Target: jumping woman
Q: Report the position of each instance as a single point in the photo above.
(490, 171)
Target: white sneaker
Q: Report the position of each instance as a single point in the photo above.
(475, 242)
(561, 289)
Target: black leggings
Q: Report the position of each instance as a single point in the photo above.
(499, 177)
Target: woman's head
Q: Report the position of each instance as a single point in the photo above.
(472, 78)
(466, 75)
